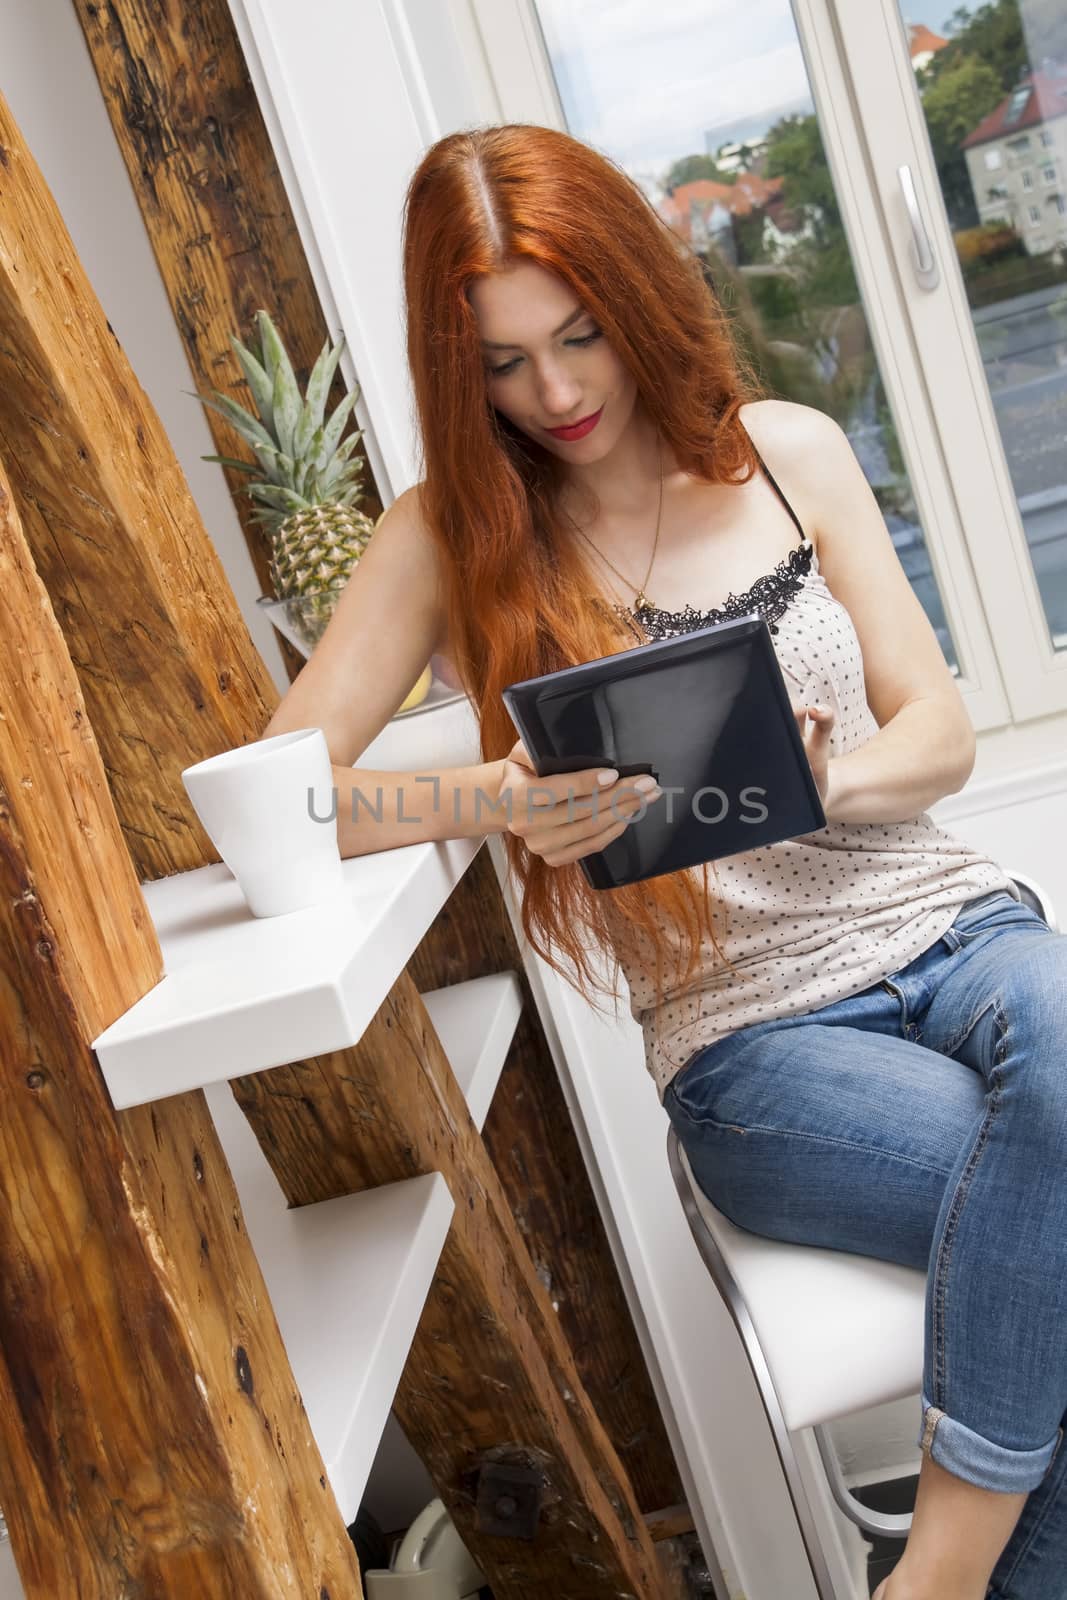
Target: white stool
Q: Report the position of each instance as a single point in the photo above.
(826, 1333)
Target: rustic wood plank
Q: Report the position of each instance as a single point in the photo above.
(166, 665)
(533, 1145)
(670, 1522)
(489, 1345)
(151, 1436)
(195, 145)
(169, 674)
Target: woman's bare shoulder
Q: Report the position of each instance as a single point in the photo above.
(785, 426)
(792, 438)
(411, 545)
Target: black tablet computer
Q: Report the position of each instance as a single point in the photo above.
(708, 714)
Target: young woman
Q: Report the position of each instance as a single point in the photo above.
(859, 1034)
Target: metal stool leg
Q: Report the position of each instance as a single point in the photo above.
(783, 1444)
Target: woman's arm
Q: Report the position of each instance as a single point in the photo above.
(925, 746)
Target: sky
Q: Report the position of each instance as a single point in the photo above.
(644, 79)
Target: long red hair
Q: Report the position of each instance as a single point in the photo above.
(520, 600)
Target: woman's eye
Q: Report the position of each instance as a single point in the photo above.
(509, 366)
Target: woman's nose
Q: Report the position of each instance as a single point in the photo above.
(559, 392)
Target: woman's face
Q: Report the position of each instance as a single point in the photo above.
(547, 364)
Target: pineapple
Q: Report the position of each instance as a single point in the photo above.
(307, 484)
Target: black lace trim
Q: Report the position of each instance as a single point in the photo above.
(769, 595)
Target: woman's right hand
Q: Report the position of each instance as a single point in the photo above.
(569, 815)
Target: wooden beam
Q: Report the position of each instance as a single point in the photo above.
(152, 1439)
(167, 668)
(163, 653)
(195, 145)
(533, 1145)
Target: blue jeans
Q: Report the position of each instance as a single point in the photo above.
(924, 1121)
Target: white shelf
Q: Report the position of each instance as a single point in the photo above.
(243, 993)
(348, 1277)
(476, 1023)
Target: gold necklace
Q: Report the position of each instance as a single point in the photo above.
(640, 598)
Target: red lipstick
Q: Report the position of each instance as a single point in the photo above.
(577, 430)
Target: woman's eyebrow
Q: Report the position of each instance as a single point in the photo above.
(495, 344)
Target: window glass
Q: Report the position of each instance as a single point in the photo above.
(707, 105)
(992, 80)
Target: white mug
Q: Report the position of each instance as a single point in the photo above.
(269, 810)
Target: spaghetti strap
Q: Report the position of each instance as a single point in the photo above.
(777, 490)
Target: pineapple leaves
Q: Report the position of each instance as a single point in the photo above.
(285, 396)
(337, 466)
(302, 460)
(228, 461)
(278, 498)
(258, 382)
(245, 423)
(335, 426)
(319, 385)
(278, 467)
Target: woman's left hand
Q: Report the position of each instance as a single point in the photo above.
(816, 738)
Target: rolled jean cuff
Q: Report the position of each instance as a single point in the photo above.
(979, 1461)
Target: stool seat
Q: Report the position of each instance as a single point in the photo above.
(840, 1332)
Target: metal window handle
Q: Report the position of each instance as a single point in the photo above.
(922, 251)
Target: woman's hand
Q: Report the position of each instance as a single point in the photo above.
(569, 815)
(816, 739)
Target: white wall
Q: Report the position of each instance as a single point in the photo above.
(47, 78)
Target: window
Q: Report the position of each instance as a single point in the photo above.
(1048, 174)
(1059, 202)
(979, 532)
(1028, 179)
(1034, 215)
(1046, 136)
(1015, 110)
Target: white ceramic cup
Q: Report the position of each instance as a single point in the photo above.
(269, 810)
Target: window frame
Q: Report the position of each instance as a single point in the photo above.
(872, 52)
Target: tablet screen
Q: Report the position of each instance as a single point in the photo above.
(708, 713)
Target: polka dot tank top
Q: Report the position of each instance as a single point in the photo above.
(818, 918)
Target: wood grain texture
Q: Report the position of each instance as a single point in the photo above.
(166, 665)
(490, 1375)
(152, 1440)
(533, 1145)
(196, 148)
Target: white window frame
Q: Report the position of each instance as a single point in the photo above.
(868, 43)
